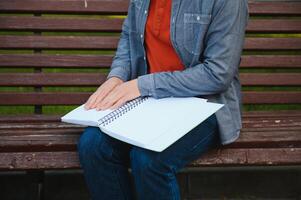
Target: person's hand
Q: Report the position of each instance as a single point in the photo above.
(102, 92)
(120, 95)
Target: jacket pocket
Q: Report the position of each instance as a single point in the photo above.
(137, 3)
(195, 27)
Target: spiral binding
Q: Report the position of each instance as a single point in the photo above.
(107, 119)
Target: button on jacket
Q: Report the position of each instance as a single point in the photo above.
(208, 37)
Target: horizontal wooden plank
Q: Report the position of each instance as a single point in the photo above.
(269, 61)
(272, 44)
(252, 97)
(271, 114)
(120, 6)
(270, 79)
(19, 137)
(96, 79)
(59, 24)
(28, 23)
(59, 42)
(110, 42)
(43, 60)
(97, 61)
(62, 98)
(248, 116)
(9, 98)
(275, 8)
(49, 98)
(274, 25)
(251, 119)
(224, 157)
(284, 156)
(65, 6)
(52, 79)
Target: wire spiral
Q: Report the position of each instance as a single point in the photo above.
(107, 119)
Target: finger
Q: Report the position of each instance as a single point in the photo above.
(89, 101)
(101, 96)
(110, 99)
(118, 104)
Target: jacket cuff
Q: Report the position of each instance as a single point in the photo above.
(119, 72)
(146, 85)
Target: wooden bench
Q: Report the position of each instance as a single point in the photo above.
(39, 37)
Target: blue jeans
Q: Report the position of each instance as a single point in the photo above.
(105, 162)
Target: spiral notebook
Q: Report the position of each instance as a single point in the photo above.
(147, 122)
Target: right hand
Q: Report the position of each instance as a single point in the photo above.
(102, 92)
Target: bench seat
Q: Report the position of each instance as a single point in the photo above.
(43, 142)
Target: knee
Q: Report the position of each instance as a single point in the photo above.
(148, 163)
(88, 142)
(140, 160)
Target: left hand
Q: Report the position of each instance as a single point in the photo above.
(120, 95)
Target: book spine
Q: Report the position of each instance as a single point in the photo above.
(107, 119)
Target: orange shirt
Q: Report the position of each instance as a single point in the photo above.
(161, 55)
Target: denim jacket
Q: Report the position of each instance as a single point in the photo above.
(208, 36)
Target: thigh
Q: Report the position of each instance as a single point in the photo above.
(105, 146)
(188, 148)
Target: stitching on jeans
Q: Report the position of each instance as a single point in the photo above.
(202, 140)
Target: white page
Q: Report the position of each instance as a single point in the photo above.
(152, 118)
(85, 117)
(193, 119)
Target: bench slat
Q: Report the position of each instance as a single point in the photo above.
(225, 157)
(275, 8)
(40, 60)
(121, 6)
(48, 98)
(65, 6)
(98, 61)
(26, 23)
(59, 24)
(110, 42)
(259, 124)
(96, 79)
(262, 119)
(270, 61)
(66, 139)
(274, 25)
(249, 116)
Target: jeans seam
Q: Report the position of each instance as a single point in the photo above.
(202, 140)
(172, 190)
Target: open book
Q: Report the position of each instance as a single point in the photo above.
(147, 122)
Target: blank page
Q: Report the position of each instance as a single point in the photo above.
(85, 117)
(152, 118)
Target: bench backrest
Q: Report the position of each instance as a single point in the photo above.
(57, 52)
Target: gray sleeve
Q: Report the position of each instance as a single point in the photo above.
(121, 64)
(224, 43)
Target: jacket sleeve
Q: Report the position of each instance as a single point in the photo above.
(224, 43)
(121, 64)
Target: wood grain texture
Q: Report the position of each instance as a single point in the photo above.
(110, 42)
(27, 23)
(121, 6)
(221, 157)
(104, 61)
(76, 98)
(96, 79)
